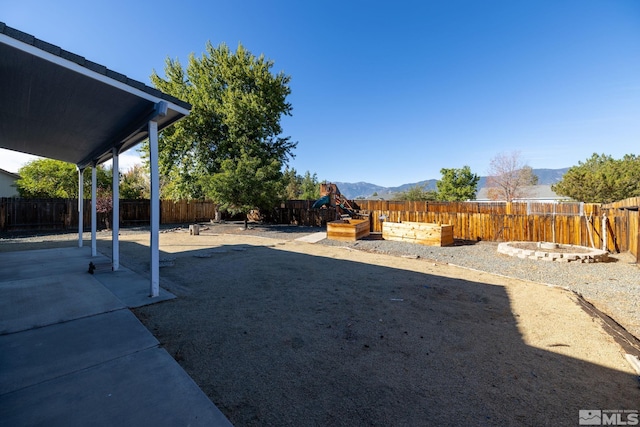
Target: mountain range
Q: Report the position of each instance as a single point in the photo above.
(359, 190)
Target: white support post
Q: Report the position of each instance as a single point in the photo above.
(94, 215)
(155, 209)
(115, 222)
(80, 205)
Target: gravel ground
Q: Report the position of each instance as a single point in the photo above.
(613, 287)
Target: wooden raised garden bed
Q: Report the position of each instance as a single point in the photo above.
(418, 232)
(348, 230)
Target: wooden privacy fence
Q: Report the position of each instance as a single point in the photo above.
(623, 226)
(62, 214)
(495, 221)
(565, 223)
(299, 212)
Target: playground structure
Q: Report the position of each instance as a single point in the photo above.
(330, 196)
(349, 224)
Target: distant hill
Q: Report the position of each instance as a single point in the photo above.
(360, 189)
(366, 190)
(549, 176)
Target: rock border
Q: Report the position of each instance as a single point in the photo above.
(592, 255)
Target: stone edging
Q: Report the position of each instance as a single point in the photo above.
(593, 255)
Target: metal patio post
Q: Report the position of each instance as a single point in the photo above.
(115, 223)
(80, 205)
(155, 209)
(94, 209)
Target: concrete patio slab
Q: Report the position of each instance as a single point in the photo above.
(72, 354)
(39, 355)
(46, 262)
(130, 287)
(46, 300)
(147, 388)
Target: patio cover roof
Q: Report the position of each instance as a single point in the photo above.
(59, 105)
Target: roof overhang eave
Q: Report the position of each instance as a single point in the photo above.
(89, 69)
(153, 104)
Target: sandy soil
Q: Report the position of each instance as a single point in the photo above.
(284, 333)
(280, 332)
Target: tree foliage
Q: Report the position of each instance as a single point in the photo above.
(417, 193)
(245, 183)
(291, 184)
(310, 187)
(237, 107)
(457, 184)
(135, 183)
(297, 187)
(601, 179)
(509, 177)
(48, 178)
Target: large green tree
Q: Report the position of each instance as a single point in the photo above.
(291, 184)
(457, 184)
(297, 187)
(48, 178)
(245, 183)
(601, 179)
(310, 187)
(134, 184)
(237, 104)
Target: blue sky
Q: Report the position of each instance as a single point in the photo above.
(391, 92)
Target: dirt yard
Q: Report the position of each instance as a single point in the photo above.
(279, 332)
(283, 333)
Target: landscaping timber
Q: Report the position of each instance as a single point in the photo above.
(418, 232)
(348, 230)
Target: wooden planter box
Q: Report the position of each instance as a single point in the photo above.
(348, 230)
(418, 232)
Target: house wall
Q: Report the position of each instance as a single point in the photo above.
(7, 183)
